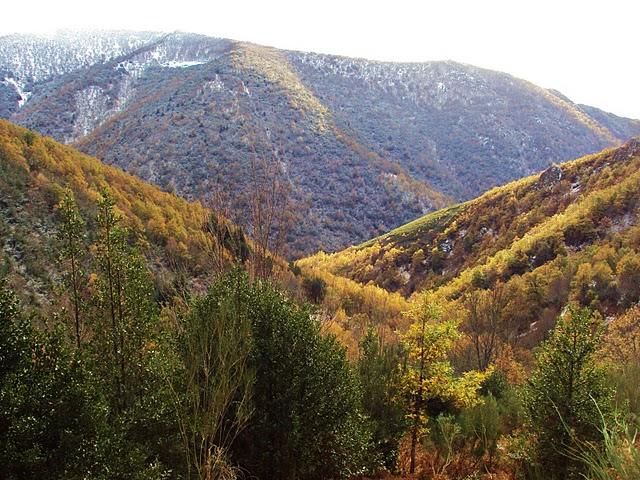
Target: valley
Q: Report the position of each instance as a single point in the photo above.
(222, 260)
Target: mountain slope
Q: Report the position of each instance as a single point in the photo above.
(34, 170)
(519, 227)
(462, 128)
(361, 146)
(525, 250)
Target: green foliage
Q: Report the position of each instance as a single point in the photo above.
(307, 421)
(50, 410)
(619, 456)
(566, 393)
(212, 384)
(378, 367)
(125, 306)
(71, 235)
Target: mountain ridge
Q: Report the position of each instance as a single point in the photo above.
(364, 146)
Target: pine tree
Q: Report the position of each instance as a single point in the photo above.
(566, 395)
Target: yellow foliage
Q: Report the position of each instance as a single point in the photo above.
(155, 217)
(429, 342)
(622, 338)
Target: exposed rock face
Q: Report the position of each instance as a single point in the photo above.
(550, 176)
(628, 150)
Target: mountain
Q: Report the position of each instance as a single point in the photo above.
(35, 170)
(570, 233)
(360, 146)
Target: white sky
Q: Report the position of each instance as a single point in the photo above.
(586, 49)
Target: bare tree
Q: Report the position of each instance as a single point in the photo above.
(271, 212)
(487, 325)
(264, 206)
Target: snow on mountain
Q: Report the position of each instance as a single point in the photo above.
(34, 58)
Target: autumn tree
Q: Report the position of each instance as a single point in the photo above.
(628, 272)
(429, 376)
(621, 351)
(487, 323)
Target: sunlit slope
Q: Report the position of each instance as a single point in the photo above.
(34, 170)
(564, 214)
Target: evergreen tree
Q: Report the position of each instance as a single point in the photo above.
(307, 421)
(50, 411)
(566, 393)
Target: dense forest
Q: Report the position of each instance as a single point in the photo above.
(144, 336)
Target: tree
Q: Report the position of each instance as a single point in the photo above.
(50, 412)
(315, 289)
(378, 367)
(271, 213)
(226, 240)
(126, 306)
(487, 325)
(429, 377)
(307, 421)
(621, 350)
(628, 270)
(212, 387)
(567, 391)
(71, 235)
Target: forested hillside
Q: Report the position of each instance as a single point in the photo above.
(569, 233)
(36, 173)
(155, 331)
(142, 336)
(359, 147)
(541, 276)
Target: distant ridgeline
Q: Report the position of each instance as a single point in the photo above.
(361, 146)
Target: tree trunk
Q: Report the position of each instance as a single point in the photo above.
(414, 443)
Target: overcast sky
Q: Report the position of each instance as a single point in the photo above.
(586, 49)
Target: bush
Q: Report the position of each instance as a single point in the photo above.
(307, 420)
(50, 412)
